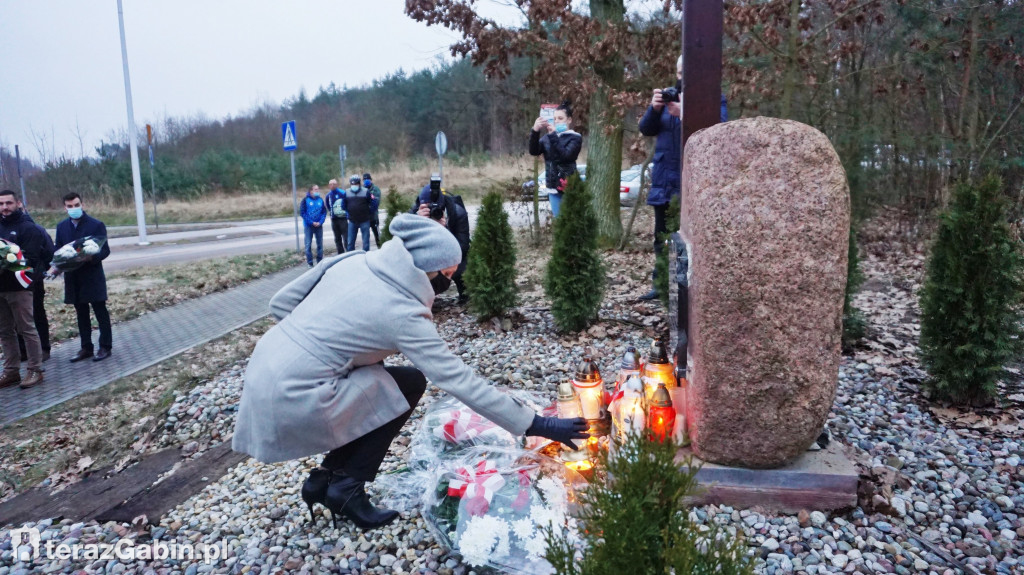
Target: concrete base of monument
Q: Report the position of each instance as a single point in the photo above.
(818, 480)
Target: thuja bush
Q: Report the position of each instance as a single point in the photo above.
(854, 324)
(636, 521)
(394, 204)
(491, 266)
(972, 297)
(574, 279)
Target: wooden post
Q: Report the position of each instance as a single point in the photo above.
(700, 99)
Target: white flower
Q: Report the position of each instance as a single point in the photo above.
(484, 538)
(523, 528)
(90, 247)
(11, 257)
(66, 252)
(535, 547)
(542, 516)
(554, 494)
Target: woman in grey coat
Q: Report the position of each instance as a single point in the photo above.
(316, 381)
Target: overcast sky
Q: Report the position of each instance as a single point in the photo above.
(61, 59)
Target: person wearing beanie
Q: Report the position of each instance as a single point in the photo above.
(360, 205)
(375, 195)
(311, 388)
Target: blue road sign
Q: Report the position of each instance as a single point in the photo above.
(288, 136)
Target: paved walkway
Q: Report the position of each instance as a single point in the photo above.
(144, 341)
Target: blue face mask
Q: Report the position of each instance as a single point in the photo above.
(561, 128)
(354, 187)
(367, 183)
(74, 213)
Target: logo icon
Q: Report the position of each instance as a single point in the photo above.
(25, 543)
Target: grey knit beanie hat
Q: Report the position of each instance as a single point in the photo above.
(432, 246)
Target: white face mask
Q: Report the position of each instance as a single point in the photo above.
(354, 187)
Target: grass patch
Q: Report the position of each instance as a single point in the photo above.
(107, 424)
(138, 291)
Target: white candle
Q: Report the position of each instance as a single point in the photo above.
(591, 401)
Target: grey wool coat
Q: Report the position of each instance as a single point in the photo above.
(315, 380)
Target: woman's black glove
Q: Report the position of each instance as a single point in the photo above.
(560, 430)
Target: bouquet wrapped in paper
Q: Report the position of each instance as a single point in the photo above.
(13, 259)
(493, 506)
(74, 254)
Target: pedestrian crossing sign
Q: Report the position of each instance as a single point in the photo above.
(288, 136)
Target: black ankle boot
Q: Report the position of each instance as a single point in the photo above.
(347, 496)
(314, 489)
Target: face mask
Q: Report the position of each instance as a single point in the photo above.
(75, 213)
(440, 283)
(367, 183)
(561, 128)
(354, 187)
(316, 194)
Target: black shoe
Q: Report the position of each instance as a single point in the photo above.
(46, 355)
(653, 294)
(347, 496)
(102, 354)
(463, 299)
(83, 354)
(314, 489)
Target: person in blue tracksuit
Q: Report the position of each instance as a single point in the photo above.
(314, 213)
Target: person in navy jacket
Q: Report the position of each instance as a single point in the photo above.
(86, 285)
(663, 119)
(314, 214)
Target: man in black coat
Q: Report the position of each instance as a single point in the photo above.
(454, 217)
(86, 285)
(38, 294)
(16, 295)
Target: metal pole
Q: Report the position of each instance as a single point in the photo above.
(440, 167)
(341, 158)
(140, 213)
(17, 154)
(295, 204)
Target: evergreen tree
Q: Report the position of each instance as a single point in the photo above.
(639, 522)
(574, 280)
(661, 271)
(394, 204)
(491, 266)
(854, 323)
(972, 296)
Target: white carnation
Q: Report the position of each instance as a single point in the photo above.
(66, 252)
(90, 247)
(484, 538)
(11, 257)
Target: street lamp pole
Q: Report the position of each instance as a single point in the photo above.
(140, 213)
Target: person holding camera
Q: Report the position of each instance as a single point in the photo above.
(435, 204)
(310, 387)
(361, 205)
(560, 146)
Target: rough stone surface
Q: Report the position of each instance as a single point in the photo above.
(766, 215)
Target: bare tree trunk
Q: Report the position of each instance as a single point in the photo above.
(640, 197)
(789, 82)
(604, 149)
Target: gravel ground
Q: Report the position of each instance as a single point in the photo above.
(958, 488)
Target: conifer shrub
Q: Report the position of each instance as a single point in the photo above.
(574, 279)
(661, 271)
(854, 324)
(972, 297)
(636, 521)
(394, 204)
(491, 266)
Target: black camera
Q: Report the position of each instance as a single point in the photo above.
(670, 95)
(436, 198)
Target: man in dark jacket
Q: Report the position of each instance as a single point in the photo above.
(375, 192)
(86, 285)
(16, 295)
(38, 295)
(360, 204)
(454, 217)
(339, 217)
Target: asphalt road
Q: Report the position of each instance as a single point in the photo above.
(242, 238)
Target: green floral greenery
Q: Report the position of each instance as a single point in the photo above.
(491, 267)
(574, 280)
(636, 521)
(972, 297)
(394, 204)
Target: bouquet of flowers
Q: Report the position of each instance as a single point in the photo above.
(73, 255)
(13, 259)
(494, 506)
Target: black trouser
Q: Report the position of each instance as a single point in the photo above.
(660, 229)
(38, 316)
(340, 228)
(361, 458)
(375, 228)
(85, 324)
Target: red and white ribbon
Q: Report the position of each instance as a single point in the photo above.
(477, 485)
(463, 426)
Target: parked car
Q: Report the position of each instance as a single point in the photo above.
(543, 195)
(629, 185)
